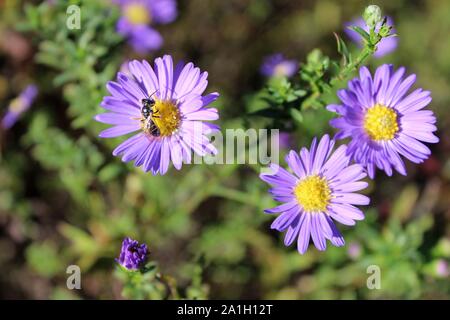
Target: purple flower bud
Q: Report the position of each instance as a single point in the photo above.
(354, 250)
(285, 140)
(277, 65)
(133, 255)
(19, 105)
(442, 269)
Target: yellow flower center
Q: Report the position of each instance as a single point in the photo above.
(137, 13)
(166, 117)
(17, 105)
(281, 70)
(313, 193)
(380, 123)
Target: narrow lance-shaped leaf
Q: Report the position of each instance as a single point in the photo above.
(361, 32)
(342, 49)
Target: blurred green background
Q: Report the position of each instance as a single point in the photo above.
(64, 199)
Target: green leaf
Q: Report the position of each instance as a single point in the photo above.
(296, 115)
(361, 32)
(43, 258)
(342, 49)
(266, 112)
(109, 172)
(300, 93)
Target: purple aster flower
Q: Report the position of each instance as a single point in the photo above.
(354, 250)
(285, 140)
(277, 65)
(136, 18)
(442, 268)
(133, 255)
(383, 121)
(321, 189)
(385, 46)
(19, 105)
(165, 103)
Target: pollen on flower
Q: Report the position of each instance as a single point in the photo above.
(281, 70)
(380, 123)
(137, 13)
(313, 193)
(18, 105)
(166, 116)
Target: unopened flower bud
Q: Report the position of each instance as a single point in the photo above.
(372, 15)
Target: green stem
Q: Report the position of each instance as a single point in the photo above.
(368, 50)
(345, 72)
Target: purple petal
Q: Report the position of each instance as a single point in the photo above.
(127, 143)
(206, 114)
(119, 131)
(317, 234)
(284, 220)
(282, 208)
(115, 118)
(348, 211)
(350, 198)
(294, 162)
(304, 234)
(321, 153)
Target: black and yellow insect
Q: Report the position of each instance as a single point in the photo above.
(148, 114)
